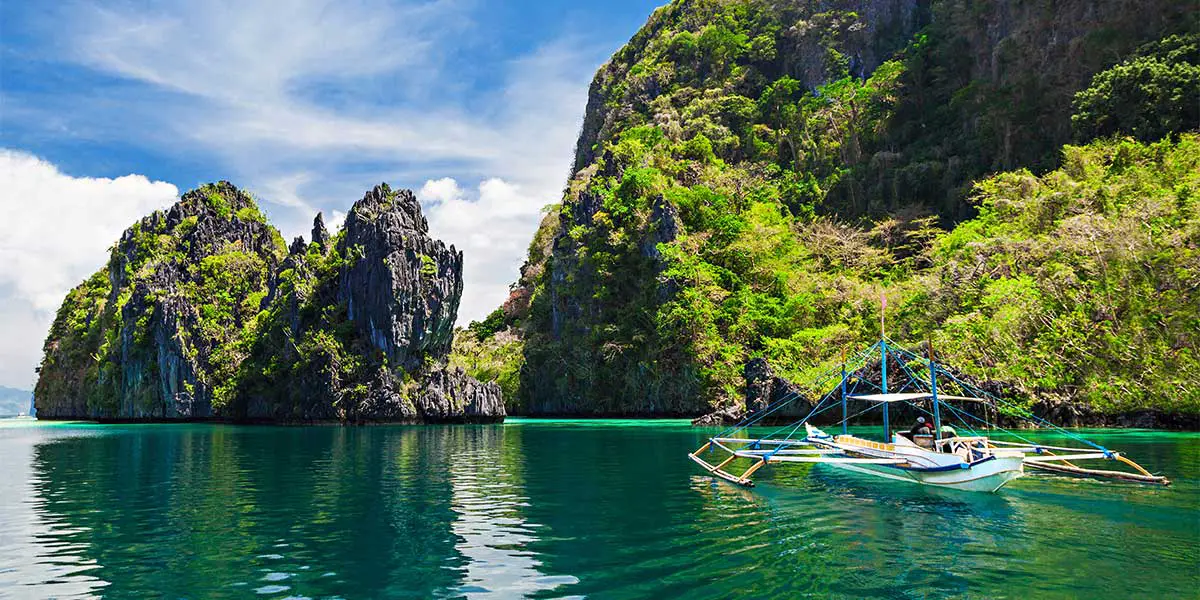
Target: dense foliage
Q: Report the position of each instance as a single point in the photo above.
(753, 175)
(175, 282)
(1149, 96)
(496, 357)
(1083, 282)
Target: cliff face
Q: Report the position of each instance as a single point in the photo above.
(751, 175)
(811, 42)
(203, 312)
(404, 290)
(152, 335)
(360, 326)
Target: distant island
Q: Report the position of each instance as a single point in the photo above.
(203, 312)
(14, 402)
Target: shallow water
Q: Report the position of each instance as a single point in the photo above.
(555, 509)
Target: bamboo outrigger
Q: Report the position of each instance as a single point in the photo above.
(974, 462)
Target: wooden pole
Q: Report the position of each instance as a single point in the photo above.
(754, 467)
(1098, 473)
(724, 462)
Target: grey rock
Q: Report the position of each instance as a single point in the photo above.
(403, 288)
(320, 235)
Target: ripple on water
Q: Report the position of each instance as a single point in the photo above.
(554, 511)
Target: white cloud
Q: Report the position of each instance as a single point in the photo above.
(58, 231)
(309, 103)
(336, 220)
(492, 227)
(439, 191)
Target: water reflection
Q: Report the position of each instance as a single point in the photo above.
(493, 534)
(41, 554)
(169, 510)
(545, 510)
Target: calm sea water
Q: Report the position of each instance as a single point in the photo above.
(555, 509)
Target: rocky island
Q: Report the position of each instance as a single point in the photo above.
(203, 312)
(751, 177)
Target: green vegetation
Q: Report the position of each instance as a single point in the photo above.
(229, 291)
(216, 201)
(1079, 283)
(428, 266)
(742, 190)
(1149, 96)
(175, 286)
(1082, 282)
(496, 357)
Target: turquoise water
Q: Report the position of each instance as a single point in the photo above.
(555, 509)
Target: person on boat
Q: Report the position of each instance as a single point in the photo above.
(919, 428)
(948, 432)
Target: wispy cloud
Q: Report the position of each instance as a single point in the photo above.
(308, 103)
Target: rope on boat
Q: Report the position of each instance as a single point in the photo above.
(1022, 412)
(751, 448)
(762, 413)
(812, 413)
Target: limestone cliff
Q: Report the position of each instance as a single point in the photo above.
(203, 312)
(752, 174)
(153, 334)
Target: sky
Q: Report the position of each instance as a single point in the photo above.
(111, 109)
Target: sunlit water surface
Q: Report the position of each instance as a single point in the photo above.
(555, 509)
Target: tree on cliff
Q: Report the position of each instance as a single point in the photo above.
(751, 197)
(1152, 95)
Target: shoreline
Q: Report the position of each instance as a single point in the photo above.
(272, 422)
(1118, 422)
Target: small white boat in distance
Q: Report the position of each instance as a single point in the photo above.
(961, 463)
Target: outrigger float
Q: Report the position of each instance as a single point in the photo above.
(974, 462)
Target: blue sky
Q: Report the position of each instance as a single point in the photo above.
(111, 109)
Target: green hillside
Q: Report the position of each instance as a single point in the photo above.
(752, 176)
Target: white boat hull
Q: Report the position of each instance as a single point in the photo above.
(988, 472)
(987, 476)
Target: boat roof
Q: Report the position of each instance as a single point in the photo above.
(912, 396)
(891, 397)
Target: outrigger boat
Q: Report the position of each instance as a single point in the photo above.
(975, 462)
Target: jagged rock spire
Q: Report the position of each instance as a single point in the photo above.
(320, 235)
(404, 290)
